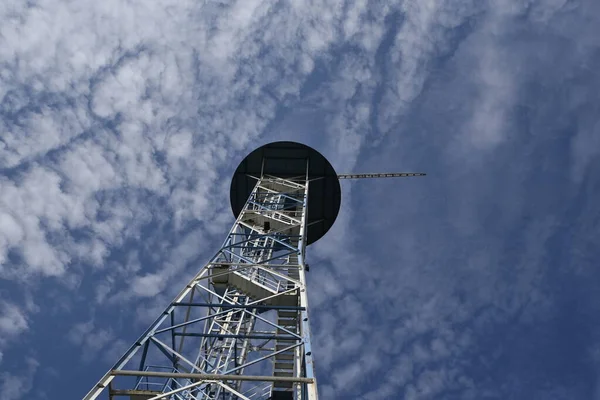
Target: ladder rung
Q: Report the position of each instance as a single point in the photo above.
(284, 356)
(282, 332)
(284, 366)
(287, 323)
(284, 385)
(287, 343)
(280, 345)
(288, 314)
(293, 319)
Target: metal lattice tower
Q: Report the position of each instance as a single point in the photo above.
(240, 328)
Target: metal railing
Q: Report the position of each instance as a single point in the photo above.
(261, 278)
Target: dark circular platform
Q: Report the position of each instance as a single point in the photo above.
(287, 160)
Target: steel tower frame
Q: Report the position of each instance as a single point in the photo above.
(240, 328)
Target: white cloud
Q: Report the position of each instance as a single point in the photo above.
(88, 170)
(12, 233)
(15, 386)
(92, 339)
(487, 127)
(586, 149)
(37, 200)
(148, 285)
(423, 35)
(38, 131)
(12, 321)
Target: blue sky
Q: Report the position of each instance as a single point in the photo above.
(122, 122)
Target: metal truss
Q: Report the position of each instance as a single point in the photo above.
(381, 175)
(240, 328)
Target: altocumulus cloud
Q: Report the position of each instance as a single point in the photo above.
(119, 122)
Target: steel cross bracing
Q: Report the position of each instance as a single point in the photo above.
(239, 329)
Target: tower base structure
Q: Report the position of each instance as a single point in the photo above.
(240, 328)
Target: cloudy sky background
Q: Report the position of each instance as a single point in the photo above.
(121, 123)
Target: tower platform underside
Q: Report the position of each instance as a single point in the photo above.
(291, 160)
